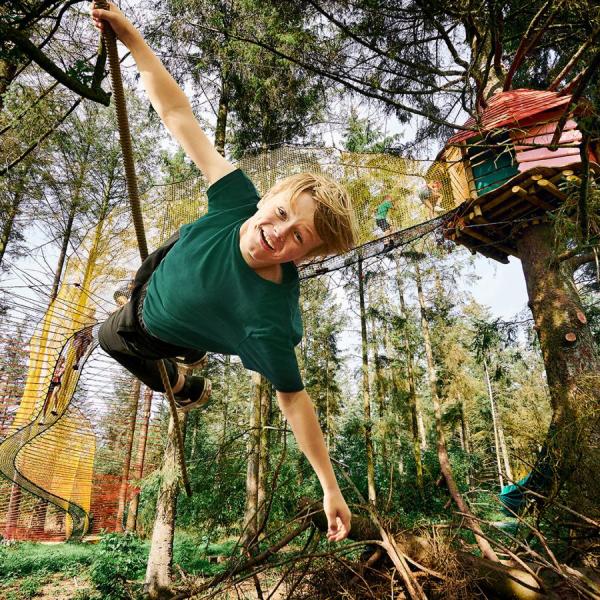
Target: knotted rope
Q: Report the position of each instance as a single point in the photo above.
(110, 45)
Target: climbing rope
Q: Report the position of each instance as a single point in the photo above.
(110, 45)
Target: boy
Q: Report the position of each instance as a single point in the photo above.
(382, 222)
(227, 282)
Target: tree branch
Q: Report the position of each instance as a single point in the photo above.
(581, 85)
(97, 94)
(578, 261)
(339, 79)
(574, 59)
(407, 63)
(35, 144)
(528, 41)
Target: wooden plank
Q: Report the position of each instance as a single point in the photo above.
(531, 197)
(484, 238)
(540, 154)
(568, 137)
(549, 187)
(458, 178)
(505, 207)
(493, 202)
(519, 191)
(562, 161)
(539, 202)
(544, 128)
(488, 251)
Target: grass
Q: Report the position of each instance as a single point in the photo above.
(25, 567)
(29, 558)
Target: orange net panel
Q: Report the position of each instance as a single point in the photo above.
(76, 431)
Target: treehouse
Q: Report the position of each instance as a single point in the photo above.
(506, 171)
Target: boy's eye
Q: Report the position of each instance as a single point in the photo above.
(298, 237)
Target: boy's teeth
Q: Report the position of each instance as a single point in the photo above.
(267, 239)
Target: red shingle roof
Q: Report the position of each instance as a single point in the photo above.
(509, 109)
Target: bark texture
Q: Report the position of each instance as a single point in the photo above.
(572, 366)
(160, 561)
(133, 406)
(366, 389)
(141, 456)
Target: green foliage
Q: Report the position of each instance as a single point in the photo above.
(31, 585)
(192, 553)
(25, 558)
(119, 559)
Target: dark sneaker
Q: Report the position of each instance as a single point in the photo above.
(193, 361)
(194, 394)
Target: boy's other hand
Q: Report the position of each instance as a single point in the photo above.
(338, 516)
(121, 25)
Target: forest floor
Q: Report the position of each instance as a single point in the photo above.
(48, 586)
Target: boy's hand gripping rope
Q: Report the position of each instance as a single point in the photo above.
(110, 44)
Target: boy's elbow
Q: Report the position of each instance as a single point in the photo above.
(177, 114)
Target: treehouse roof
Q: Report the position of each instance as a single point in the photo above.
(510, 109)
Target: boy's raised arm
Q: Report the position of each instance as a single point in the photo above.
(167, 98)
(299, 411)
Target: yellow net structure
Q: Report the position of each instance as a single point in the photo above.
(76, 432)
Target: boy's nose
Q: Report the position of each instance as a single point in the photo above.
(281, 230)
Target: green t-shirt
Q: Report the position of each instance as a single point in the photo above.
(203, 295)
(382, 210)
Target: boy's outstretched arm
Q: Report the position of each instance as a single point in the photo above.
(167, 98)
(299, 411)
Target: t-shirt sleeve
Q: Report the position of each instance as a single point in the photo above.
(232, 191)
(274, 359)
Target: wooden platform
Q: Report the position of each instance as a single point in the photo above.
(491, 223)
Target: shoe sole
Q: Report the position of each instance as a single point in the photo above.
(200, 402)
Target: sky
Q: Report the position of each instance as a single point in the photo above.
(500, 287)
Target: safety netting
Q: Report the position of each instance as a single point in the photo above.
(77, 432)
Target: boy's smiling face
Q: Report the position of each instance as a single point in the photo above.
(279, 232)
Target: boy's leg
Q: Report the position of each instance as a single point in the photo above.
(141, 362)
(124, 337)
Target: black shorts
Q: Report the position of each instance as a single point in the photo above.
(382, 224)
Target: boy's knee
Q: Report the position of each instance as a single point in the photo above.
(103, 338)
(108, 337)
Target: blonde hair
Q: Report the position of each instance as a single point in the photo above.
(334, 217)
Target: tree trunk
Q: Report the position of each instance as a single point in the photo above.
(465, 436)
(12, 514)
(141, 455)
(63, 249)
(366, 390)
(222, 113)
(133, 406)
(250, 528)
(412, 402)
(572, 366)
(9, 218)
(7, 73)
(160, 560)
(494, 423)
(442, 451)
(263, 465)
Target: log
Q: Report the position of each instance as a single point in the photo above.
(552, 189)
